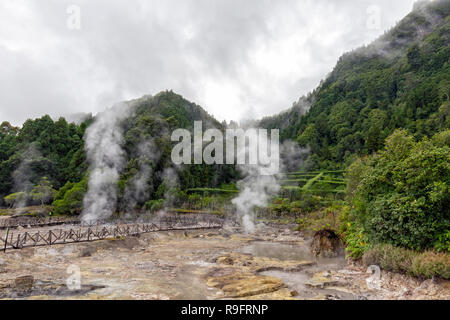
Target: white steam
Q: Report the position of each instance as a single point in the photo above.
(137, 189)
(171, 182)
(260, 184)
(23, 174)
(256, 190)
(103, 144)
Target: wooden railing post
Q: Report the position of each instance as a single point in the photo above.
(6, 239)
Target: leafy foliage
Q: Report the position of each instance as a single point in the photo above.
(16, 198)
(69, 199)
(43, 192)
(401, 195)
(58, 155)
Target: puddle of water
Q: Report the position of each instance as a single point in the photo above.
(297, 280)
(284, 251)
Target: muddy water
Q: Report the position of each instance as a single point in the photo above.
(298, 281)
(286, 251)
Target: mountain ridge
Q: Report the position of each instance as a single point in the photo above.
(401, 80)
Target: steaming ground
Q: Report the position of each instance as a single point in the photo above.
(199, 265)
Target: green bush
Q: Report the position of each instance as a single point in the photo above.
(401, 195)
(18, 198)
(71, 198)
(356, 241)
(61, 192)
(155, 205)
(443, 242)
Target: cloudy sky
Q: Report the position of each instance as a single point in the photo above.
(236, 58)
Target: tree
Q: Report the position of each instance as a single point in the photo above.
(43, 192)
(18, 199)
(69, 199)
(7, 129)
(414, 57)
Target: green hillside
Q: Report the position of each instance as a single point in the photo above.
(55, 150)
(402, 80)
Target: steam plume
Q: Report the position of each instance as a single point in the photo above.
(261, 184)
(138, 189)
(23, 175)
(103, 144)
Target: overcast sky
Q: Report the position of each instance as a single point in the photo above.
(236, 58)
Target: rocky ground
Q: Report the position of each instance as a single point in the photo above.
(275, 263)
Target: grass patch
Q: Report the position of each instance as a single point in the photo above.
(188, 211)
(32, 211)
(212, 191)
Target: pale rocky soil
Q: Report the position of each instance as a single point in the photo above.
(208, 264)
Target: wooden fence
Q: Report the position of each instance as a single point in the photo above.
(13, 223)
(16, 240)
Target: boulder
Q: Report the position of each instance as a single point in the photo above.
(321, 280)
(326, 243)
(242, 284)
(24, 283)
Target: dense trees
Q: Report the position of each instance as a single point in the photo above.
(398, 183)
(46, 154)
(41, 148)
(399, 81)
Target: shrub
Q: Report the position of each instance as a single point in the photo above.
(155, 205)
(390, 258)
(429, 264)
(401, 195)
(426, 264)
(310, 203)
(61, 192)
(443, 242)
(72, 199)
(17, 199)
(356, 241)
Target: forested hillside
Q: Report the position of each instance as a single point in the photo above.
(402, 80)
(55, 150)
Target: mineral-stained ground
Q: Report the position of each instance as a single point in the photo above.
(274, 263)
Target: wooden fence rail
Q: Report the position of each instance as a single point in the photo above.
(84, 234)
(13, 223)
